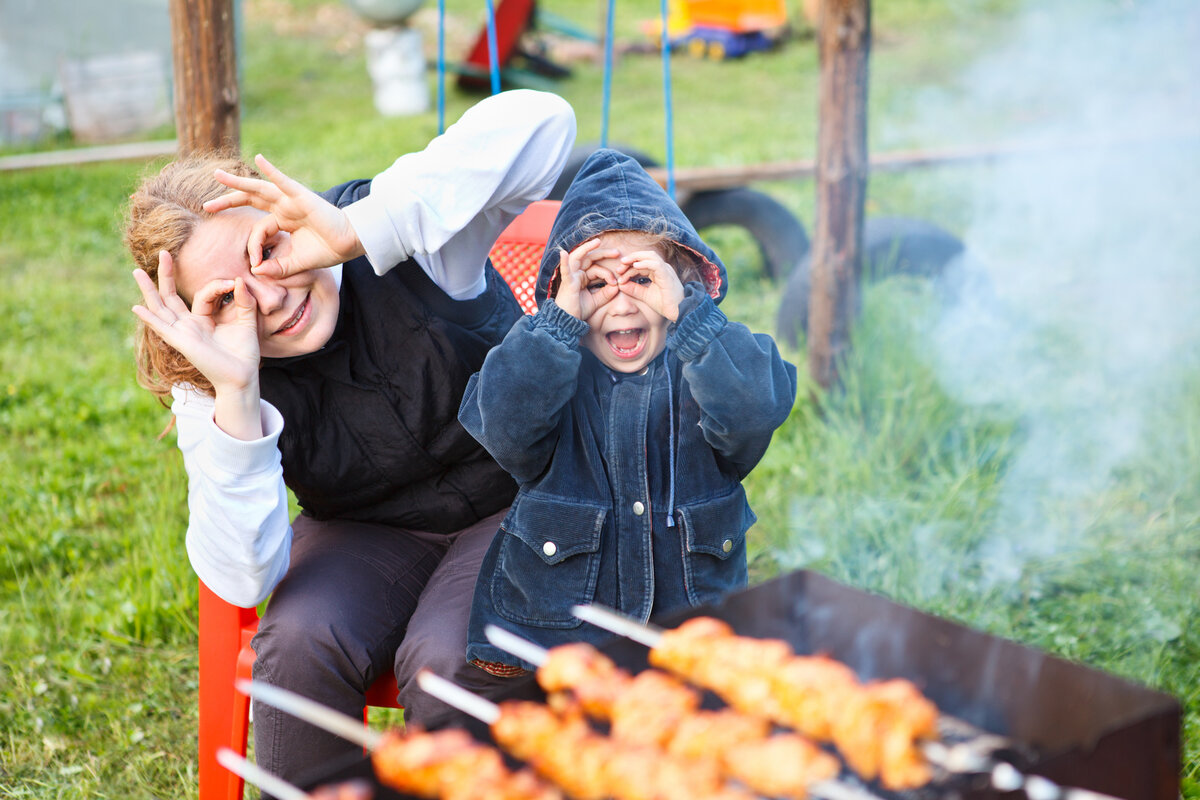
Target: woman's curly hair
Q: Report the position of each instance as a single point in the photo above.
(162, 215)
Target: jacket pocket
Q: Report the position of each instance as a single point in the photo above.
(549, 560)
(715, 541)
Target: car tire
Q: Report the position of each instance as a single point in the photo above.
(780, 236)
(891, 245)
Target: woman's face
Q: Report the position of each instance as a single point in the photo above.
(296, 315)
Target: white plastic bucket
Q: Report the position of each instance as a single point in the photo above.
(396, 64)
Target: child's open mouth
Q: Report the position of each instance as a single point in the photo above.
(628, 343)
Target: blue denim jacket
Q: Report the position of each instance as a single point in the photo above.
(630, 485)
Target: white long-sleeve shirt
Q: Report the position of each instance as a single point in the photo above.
(443, 207)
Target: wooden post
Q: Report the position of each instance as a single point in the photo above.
(844, 40)
(206, 116)
(206, 88)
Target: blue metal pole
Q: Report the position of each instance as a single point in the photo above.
(608, 69)
(441, 67)
(666, 67)
(493, 55)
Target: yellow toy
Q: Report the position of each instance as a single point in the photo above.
(721, 29)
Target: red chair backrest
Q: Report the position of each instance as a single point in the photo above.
(517, 253)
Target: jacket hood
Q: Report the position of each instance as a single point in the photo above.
(612, 192)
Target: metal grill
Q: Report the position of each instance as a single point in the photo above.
(1074, 725)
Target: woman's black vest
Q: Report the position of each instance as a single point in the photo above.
(371, 420)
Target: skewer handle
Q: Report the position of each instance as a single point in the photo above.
(619, 624)
(312, 712)
(519, 647)
(837, 790)
(255, 775)
(453, 694)
(1074, 793)
(963, 758)
(1007, 778)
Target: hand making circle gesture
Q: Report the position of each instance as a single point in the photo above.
(584, 284)
(321, 233)
(218, 334)
(646, 277)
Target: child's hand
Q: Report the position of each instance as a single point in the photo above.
(584, 285)
(648, 278)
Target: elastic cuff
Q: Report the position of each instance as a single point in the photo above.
(494, 661)
(500, 670)
(559, 324)
(694, 331)
(230, 455)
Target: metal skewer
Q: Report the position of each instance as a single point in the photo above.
(257, 776)
(619, 624)
(452, 694)
(519, 647)
(311, 712)
(959, 758)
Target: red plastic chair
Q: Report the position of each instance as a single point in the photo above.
(517, 254)
(226, 630)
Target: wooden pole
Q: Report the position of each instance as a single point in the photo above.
(844, 40)
(206, 116)
(206, 87)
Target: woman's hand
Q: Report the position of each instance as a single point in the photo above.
(584, 285)
(648, 278)
(321, 233)
(218, 335)
(226, 352)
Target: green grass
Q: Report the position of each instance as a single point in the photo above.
(901, 482)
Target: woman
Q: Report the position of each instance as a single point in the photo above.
(324, 342)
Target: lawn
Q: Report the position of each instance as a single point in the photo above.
(1021, 455)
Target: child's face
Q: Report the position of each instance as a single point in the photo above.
(626, 333)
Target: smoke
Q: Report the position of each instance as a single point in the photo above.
(1090, 310)
(1078, 322)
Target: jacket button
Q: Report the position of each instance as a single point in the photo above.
(549, 548)
(639, 508)
(727, 545)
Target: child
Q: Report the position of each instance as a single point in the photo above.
(628, 409)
